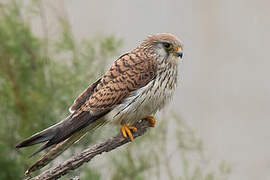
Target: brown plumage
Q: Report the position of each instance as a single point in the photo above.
(128, 73)
(136, 86)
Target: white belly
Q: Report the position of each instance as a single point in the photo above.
(144, 102)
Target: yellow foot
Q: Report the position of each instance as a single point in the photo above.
(126, 131)
(151, 120)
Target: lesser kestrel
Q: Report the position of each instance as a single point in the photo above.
(137, 85)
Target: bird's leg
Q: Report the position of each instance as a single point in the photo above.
(126, 131)
(151, 120)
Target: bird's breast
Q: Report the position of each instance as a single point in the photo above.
(146, 100)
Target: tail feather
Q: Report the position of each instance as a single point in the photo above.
(39, 137)
(53, 153)
(41, 148)
(61, 131)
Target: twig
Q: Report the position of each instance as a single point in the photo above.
(86, 155)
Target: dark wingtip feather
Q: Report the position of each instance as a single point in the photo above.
(40, 137)
(41, 148)
(28, 142)
(18, 146)
(22, 144)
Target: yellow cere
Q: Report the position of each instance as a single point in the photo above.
(178, 49)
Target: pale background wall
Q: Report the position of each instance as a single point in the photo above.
(225, 88)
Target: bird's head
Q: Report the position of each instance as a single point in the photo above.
(165, 46)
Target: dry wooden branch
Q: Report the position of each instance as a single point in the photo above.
(86, 155)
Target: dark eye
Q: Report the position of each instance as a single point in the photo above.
(167, 46)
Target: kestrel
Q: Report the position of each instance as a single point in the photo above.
(137, 85)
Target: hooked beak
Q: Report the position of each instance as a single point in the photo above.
(178, 52)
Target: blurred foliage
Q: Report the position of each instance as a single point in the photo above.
(36, 89)
(39, 79)
(9, 163)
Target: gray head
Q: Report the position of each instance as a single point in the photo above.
(164, 46)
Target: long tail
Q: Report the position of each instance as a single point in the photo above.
(53, 153)
(60, 132)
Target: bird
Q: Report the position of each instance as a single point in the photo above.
(137, 85)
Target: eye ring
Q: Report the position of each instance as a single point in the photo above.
(167, 46)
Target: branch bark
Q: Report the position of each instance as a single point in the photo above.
(89, 153)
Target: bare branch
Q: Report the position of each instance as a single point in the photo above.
(86, 155)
